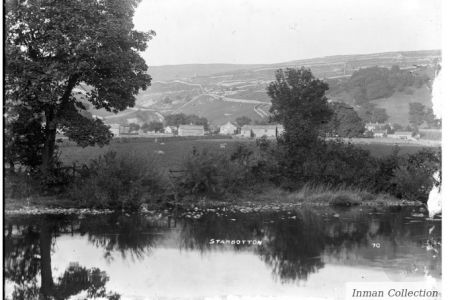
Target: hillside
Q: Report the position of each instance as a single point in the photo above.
(219, 111)
(397, 106)
(222, 92)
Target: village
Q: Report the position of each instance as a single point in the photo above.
(376, 132)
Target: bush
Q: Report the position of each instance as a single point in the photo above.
(119, 182)
(413, 177)
(209, 173)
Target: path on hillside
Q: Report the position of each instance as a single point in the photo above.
(260, 111)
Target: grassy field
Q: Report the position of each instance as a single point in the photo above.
(397, 106)
(167, 154)
(219, 112)
(170, 153)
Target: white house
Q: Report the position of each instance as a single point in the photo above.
(191, 130)
(379, 133)
(402, 135)
(168, 130)
(228, 129)
(258, 131)
(374, 126)
(115, 129)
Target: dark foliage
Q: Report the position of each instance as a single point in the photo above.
(183, 119)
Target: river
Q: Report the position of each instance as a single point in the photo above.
(306, 253)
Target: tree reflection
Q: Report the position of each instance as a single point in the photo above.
(295, 244)
(133, 235)
(28, 246)
(293, 248)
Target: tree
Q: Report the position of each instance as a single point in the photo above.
(52, 49)
(243, 120)
(299, 103)
(134, 127)
(153, 126)
(371, 114)
(183, 119)
(345, 121)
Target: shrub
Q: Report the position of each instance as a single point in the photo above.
(120, 182)
(413, 177)
(213, 173)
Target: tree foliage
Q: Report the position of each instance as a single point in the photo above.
(345, 121)
(53, 49)
(377, 82)
(243, 120)
(183, 119)
(419, 114)
(299, 103)
(371, 114)
(153, 126)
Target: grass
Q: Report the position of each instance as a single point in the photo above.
(397, 106)
(171, 152)
(220, 111)
(341, 196)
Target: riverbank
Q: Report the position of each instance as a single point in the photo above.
(248, 201)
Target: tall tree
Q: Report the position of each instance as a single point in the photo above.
(52, 48)
(371, 114)
(299, 103)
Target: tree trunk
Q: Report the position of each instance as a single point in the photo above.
(45, 244)
(49, 145)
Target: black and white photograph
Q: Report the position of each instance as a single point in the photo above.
(223, 149)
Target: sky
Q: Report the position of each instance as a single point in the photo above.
(263, 31)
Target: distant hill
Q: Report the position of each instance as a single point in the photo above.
(327, 64)
(172, 72)
(223, 92)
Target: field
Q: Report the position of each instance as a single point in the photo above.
(167, 154)
(170, 153)
(397, 106)
(218, 111)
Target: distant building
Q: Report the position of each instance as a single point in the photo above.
(228, 129)
(169, 130)
(402, 135)
(124, 129)
(258, 131)
(379, 133)
(191, 130)
(115, 129)
(375, 126)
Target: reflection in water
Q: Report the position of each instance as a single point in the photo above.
(28, 246)
(296, 245)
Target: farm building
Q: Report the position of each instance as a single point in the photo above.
(115, 129)
(169, 130)
(379, 133)
(402, 135)
(124, 129)
(258, 131)
(228, 129)
(374, 126)
(191, 130)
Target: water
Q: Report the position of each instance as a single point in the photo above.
(305, 253)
